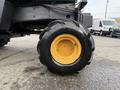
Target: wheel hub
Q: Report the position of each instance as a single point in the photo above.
(66, 49)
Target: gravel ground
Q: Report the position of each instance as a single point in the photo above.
(20, 68)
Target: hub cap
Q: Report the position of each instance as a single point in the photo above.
(66, 49)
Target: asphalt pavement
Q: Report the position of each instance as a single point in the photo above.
(20, 68)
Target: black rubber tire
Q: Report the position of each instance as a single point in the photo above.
(38, 47)
(112, 35)
(3, 42)
(65, 27)
(101, 33)
(91, 31)
(40, 37)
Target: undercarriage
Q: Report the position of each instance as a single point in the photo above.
(65, 45)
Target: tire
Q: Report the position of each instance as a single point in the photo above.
(40, 37)
(38, 46)
(65, 28)
(101, 33)
(112, 35)
(94, 33)
(91, 31)
(3, 42)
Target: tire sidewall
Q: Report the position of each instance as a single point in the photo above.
(47, 39)
(3, 42)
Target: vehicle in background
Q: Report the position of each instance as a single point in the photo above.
(102, 27)
(115, 31)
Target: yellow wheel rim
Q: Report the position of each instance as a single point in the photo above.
(66, 49)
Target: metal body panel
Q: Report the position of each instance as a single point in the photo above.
(7, 14)
(23, 14)
(26, 18)
(86, 19)
(39, 2)
(55, 14)
(1, 8)
(30, 14)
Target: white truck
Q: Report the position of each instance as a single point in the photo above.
(102, 26)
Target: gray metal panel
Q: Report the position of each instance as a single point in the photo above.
(40, 13)
(55, 14)
(86, 20)
(7, 15)
(31, 13)
(1, 8)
